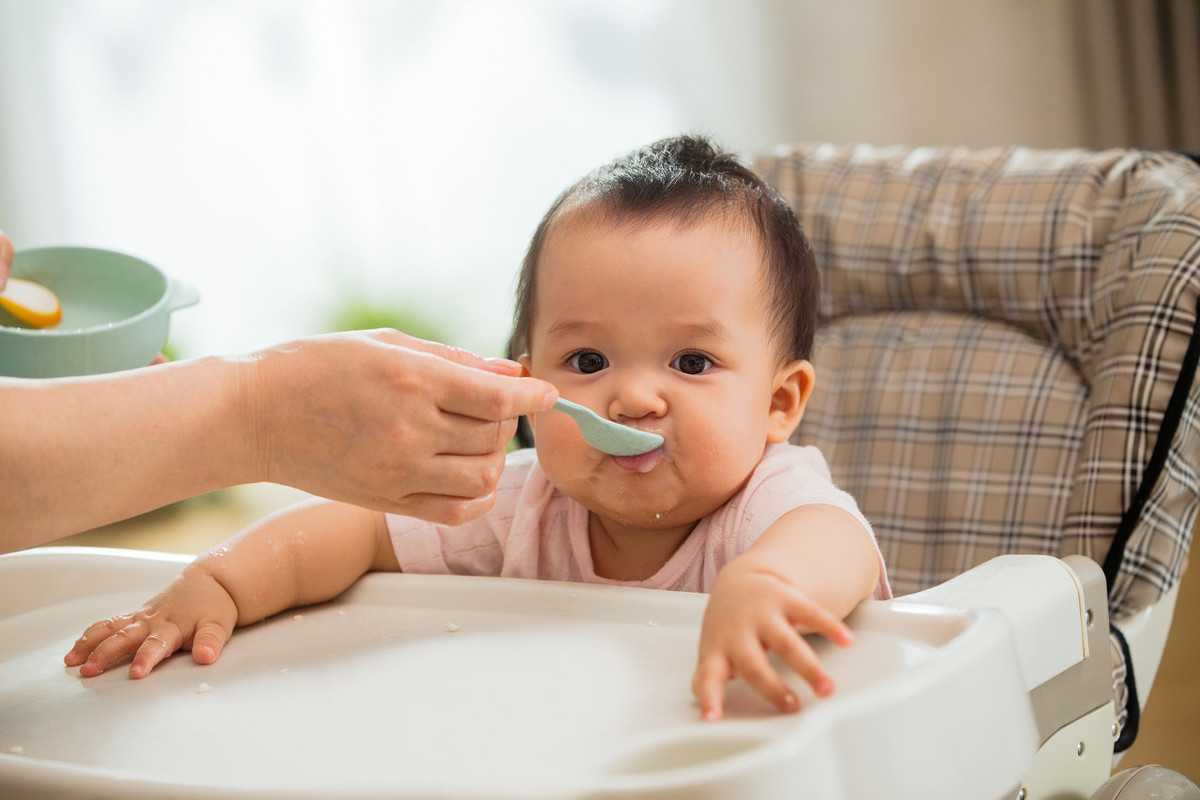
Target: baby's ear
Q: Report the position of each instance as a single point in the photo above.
(793, 386)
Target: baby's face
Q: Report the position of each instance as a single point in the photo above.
(664, 329)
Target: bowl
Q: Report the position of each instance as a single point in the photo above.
(116, 310)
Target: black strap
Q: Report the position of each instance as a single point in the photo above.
(1129, 730)
(1158, 459)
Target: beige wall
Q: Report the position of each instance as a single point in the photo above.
(1043, 73)
(971, 72)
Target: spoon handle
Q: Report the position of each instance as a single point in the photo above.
(608, 436)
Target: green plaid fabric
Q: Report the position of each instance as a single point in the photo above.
(1002, 336)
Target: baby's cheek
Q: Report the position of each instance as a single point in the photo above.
(718, 464)
(561, 449)
(555, 432)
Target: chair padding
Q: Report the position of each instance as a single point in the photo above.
(1002, 332)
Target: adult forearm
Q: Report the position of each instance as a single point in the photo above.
(83, 452)
(373, 418)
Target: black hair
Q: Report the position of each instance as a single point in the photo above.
(686, 179)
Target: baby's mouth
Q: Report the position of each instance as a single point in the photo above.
(643, 463)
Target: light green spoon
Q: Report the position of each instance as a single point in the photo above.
(608, 436)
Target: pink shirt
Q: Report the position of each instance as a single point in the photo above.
(536, 531)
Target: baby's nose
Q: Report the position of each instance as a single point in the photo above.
(635, 398)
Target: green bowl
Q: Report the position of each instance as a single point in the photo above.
(115, 313)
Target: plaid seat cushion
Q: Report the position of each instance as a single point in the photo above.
(1091, 256)
(1007, 351)
(951, 424)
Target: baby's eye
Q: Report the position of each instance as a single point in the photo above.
(587, 362)
(692, 364)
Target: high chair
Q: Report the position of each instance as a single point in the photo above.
(1006, 363)
(1006, 381)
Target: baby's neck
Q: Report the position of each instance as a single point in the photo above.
(625, 553)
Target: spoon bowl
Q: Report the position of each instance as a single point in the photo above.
(31, 303)
(608, 436)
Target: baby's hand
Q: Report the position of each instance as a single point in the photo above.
(750, 613)
(194, 613)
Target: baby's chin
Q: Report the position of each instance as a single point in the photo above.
(647, 515)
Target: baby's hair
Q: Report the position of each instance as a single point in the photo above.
(686, 180)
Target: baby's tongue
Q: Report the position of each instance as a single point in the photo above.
(642, 463)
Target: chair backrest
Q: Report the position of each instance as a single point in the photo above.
(1007, 353)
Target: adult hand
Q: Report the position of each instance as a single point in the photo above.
(6, 257)
(382, 420)
(377, 419)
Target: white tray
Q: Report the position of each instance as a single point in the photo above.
(414, 686)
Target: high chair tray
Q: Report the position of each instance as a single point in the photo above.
(412, 686)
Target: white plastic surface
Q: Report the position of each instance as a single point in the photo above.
(418, 686)
(1146, 635)
(1040, 595)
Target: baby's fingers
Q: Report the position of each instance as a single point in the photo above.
(93, 636)
(208, 642)
(794, 651)
(811, 617)
(122, 641)
(752, 665)
(708, 685)
(158, 644)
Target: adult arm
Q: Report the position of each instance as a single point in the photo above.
(376, 419)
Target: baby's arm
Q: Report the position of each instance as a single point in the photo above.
(804, 575)
(306, 554)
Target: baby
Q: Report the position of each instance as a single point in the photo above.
(672, 291)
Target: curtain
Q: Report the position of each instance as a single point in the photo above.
(1139, 62)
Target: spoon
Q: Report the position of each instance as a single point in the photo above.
(31, 303)
(607, 436)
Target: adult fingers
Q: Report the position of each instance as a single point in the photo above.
(466, 358)
(6, 257)
(488, 396)
(459, 476)
(446, 509)
(468, 436)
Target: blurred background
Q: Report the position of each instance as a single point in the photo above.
(311, 166)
